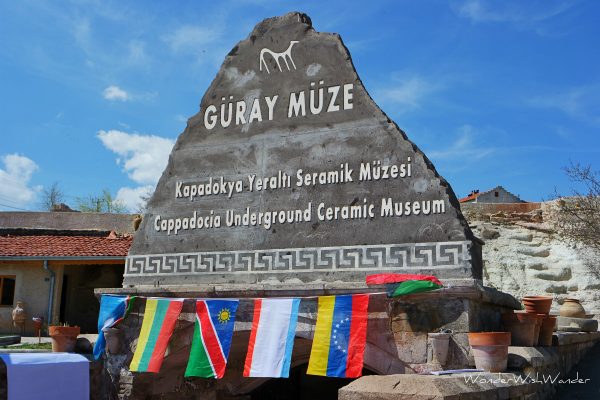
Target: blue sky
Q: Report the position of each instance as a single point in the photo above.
(94, 93)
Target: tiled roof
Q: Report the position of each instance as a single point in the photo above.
(64, 246)
(470, 197)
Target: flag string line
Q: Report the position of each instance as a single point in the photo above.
(240, 298)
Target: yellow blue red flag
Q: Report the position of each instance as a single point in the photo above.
(340, 336)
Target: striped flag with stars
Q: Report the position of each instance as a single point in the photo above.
(340, 336)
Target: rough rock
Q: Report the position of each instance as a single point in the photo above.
(265, 184)
(524, 261)
(489, 233)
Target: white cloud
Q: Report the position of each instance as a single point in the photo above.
(143, 157)
(522, 13)
(581, 103)
(82, 32)
(409, 92)
(190, 38)
(114, 92)
(14, 181)
(463, 149)
(137, 52)
(134, 198)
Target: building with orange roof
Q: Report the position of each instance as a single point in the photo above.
(53, 261)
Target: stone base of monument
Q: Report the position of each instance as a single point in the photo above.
(397, 341)
(534, 373)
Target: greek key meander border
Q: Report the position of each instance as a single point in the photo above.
(342, 258)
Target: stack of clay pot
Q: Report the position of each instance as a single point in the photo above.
(521, 326)
(490, 350)
(534, 327)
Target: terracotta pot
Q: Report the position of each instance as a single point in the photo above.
(63, 338)
(546, 330)
(491, 358)
(538, 324)
(537, 304)
(37, 324)
(572, 308)
(439, 347)
(522, 328)
(489, 338)
(490, 350)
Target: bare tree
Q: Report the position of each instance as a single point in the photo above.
(103, 203)
(142, 206)
(577, 217)
(52, 196)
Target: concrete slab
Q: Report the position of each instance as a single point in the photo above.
(565, 338)
(430, 387)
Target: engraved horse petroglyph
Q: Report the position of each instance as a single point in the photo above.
(277, 57)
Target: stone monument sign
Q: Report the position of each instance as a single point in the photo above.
(291, 173)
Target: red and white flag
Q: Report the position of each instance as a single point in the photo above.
(272, 338)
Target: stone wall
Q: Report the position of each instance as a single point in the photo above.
(523, 255)
(480, 210)
(525, 365)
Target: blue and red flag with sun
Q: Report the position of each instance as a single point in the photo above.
(213, 330)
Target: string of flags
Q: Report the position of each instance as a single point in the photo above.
(338, 344)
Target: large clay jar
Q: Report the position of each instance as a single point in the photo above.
(546, 331)
(572, 308)
(490, 350)
(19, 315)
(63, 338)
(522, 328)
(537, 304)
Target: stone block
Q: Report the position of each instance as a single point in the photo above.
(536, 357)
(582, 324)
(429, 387)
(411, 347)
(459, 352)
(429, 315)
(566, 338)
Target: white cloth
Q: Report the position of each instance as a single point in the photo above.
(48, 376)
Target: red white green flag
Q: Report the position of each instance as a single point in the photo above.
(403, 284)
(215, 320)
(159, 321)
